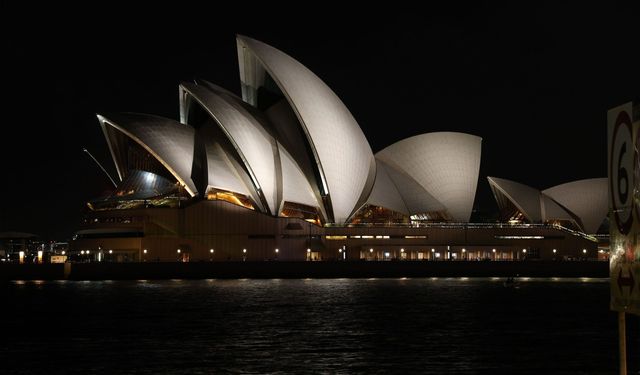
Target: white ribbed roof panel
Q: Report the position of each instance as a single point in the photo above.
(252, 141)
(445, 164)
(221, 173)
(384, 193)
(295, 187)
(169, 141)
(552, 210)
(588, 199)
(340, 147)
(525, 198)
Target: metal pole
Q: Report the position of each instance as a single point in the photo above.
(623, 342)
(101, 167)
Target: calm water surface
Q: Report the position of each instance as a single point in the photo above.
(336, 326)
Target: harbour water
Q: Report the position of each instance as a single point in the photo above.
(365, 326)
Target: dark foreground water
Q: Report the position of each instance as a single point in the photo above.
(427, 326)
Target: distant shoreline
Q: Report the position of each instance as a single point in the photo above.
(286, 269)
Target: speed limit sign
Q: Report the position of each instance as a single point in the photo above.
(622, 157)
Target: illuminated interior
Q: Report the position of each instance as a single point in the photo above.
(231, 197)
(146, 184)
(430, 217)
(302, 211)
(371, 214)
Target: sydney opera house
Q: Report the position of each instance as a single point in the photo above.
(286, 173)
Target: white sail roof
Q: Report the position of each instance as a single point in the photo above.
(445, 164)
(588, 199)
(256, 147)
(343, 157)
(524, 197)
(170, 142)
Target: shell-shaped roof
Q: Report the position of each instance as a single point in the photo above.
(221, 171)
(588, 199)
(169, 141)
(295, 187)
(553, 211)
(256, 147)
(445, 164)
(343, 157)
(385, 193)
(524, 197)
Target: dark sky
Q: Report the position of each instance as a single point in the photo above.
(534, 83)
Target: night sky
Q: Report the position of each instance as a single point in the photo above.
(534, 83)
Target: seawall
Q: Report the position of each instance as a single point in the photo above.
(283, 269)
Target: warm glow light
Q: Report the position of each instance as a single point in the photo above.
(493, 250)
(179, 251)
(524, 250)
(244, 251)
(82, 252)
(339, 250)
(110, 251)
(63, 252)
(88, 251)
(584, 251)
(402, 250)
(39, 256)
(432, 250)
(371, 250)
(211, 251)
(554, 251)
(386, 255)
(464, 250)
(21, 254)
(144, 251)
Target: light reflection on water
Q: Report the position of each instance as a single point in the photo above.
(417, 325)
